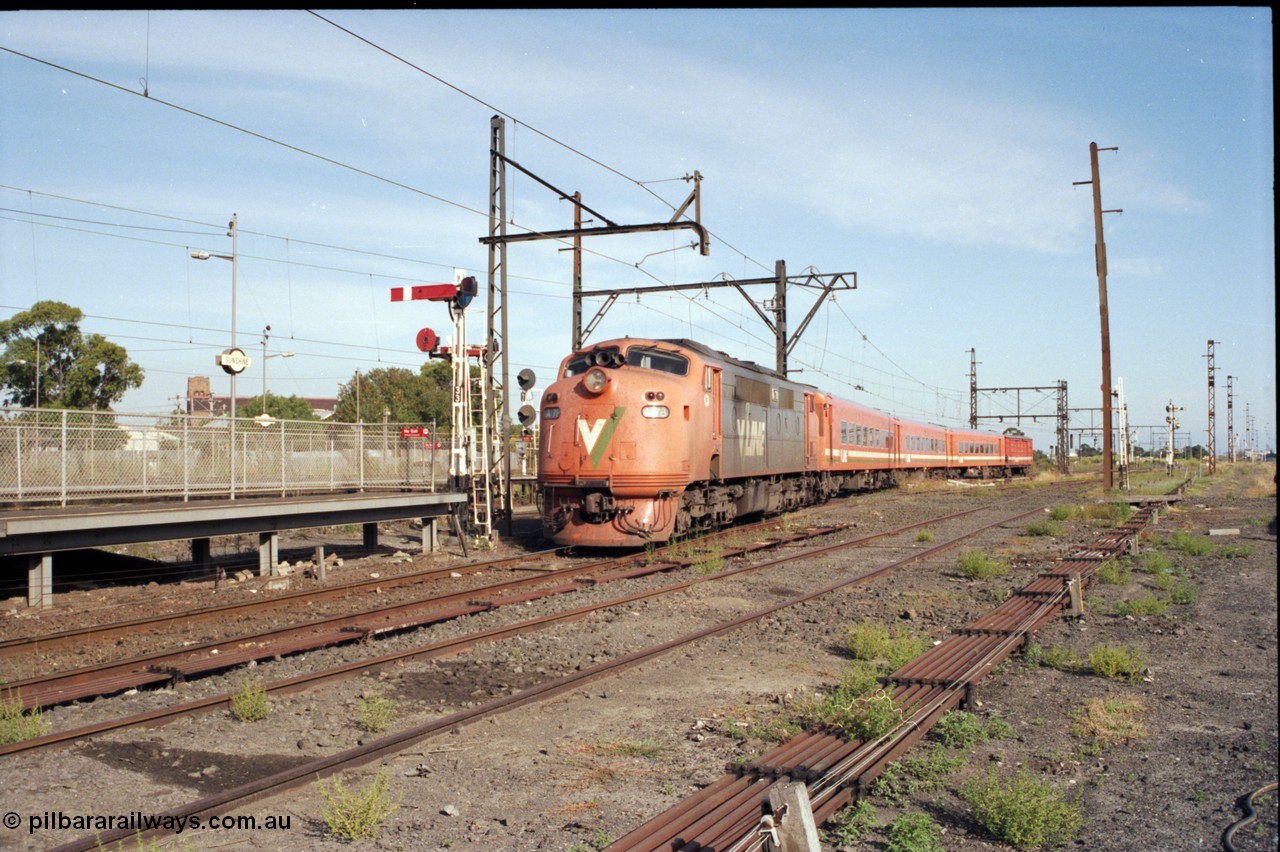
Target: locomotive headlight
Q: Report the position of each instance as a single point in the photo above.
(656, 412)
(595, 380)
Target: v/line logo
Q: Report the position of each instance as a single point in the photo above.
(595, 438)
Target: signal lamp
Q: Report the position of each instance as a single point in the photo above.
(467, 289)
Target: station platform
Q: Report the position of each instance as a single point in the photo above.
(38, 533)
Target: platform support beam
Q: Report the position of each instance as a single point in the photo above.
(268, 554)
(40, 580)
(201, 554)
(430, 536)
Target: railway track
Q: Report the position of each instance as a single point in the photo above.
(730, 813)
(245, 794)
(101, 633)
(214, 656)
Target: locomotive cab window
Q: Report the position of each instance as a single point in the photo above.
(656, 359)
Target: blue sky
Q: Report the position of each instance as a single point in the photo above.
(932, 152)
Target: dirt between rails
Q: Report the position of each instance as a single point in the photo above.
(579, 770)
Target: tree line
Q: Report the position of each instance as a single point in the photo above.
(48, 361)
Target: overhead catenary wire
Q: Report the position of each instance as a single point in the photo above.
(368, 173)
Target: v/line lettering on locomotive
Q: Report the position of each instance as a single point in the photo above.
(750, 437)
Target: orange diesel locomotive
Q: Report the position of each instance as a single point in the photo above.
(642, 440)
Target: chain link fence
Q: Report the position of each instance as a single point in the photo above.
(55, 455)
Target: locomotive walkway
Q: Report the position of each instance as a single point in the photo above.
(39, 533)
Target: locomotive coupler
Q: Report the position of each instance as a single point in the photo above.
(598, 507)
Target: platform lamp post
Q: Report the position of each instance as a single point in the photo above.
(232, 360)
(266, 332)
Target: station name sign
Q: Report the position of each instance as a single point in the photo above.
(233, 361)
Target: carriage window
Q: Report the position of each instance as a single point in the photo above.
(656, 359)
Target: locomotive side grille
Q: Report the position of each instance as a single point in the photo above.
(655, 481)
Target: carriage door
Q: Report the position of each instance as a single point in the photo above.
(812, 432)
(895, 452)
(711, 399)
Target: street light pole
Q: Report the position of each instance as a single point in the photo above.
(233, 369)
(266, 332)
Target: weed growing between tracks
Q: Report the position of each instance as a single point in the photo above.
(353, 815)
(976, 565)
(376, 712)
(250, 704)
(17, 725)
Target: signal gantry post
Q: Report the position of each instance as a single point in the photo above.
(1213, 425)
(784, 341)
(498, 417)
(1061, 415)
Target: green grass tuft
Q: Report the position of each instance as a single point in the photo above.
(17, 725)
(1147, 604)
(250, 704)
(355, 815)
(976, 565)
(1117, 663)
(1024, 812)
(914, 832)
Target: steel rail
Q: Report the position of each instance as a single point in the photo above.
(324, 767)
(443, 648)
(97, 632)
(44, 643)
(221, 654)
(439, 649)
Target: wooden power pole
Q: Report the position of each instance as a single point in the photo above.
(1100, 251)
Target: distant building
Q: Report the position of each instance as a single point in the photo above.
(199, 400)
(202, 403)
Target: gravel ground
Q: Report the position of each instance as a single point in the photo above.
(575, 771)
